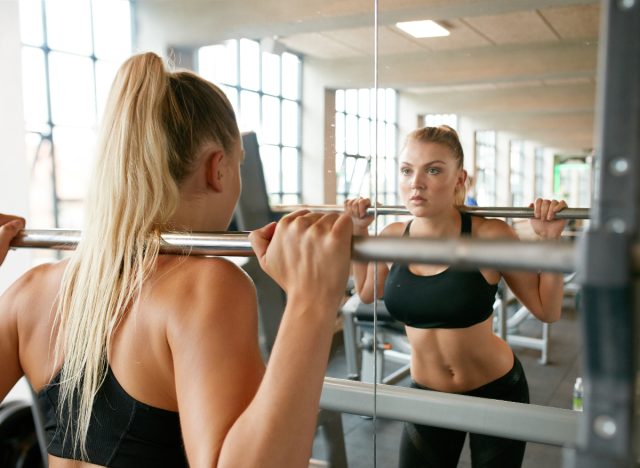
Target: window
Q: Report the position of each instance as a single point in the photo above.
(486, 168)
(517, 173)
(435, 120)
(539, 176)
(356, 124)
(69, 58)
(265, 91)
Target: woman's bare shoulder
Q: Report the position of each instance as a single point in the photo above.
(394, 229)
(492, 228)
(38, 284)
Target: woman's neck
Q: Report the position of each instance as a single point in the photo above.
(444, 224)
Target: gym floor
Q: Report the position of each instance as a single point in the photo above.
(549, 385)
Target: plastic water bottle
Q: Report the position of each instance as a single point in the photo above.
(577, 394)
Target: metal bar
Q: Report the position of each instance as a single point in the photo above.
(460, 253)
(490, 211)
(520, 421)
(398, 375)
(526, 342)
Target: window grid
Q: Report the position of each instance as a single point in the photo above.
(539, 173)
(354, 154)
(277, 194)
(41, 135)
(517, 173)
(486, 167)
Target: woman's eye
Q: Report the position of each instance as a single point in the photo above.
(405, 171)
(433, 170)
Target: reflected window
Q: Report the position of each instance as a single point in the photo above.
(539, 183)
(264, 89)
(359, 135)
(70, 55)
(435, 120)
(486, 167)
(517, 173)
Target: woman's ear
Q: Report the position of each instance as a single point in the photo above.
(214, 170)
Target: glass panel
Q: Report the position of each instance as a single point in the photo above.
(290, 169)
(249, 111)
(105, 73)
(352, 134)
(290, 199)
(391, 140)
(31, 30)
(72, 90)
(290, 123)
(270, 156)
(69, 26)
(390, 105)
(359, 181)
(34, 87)
(232, 95)
(290, 76)
(74, 152)
(270, 120)
(340, 132)
(70, 214)
(110, 16)
(249, 64)
(351, 97)
(40, 182)
(219, 63)
(363, 137)
(363, 102)
(271, 73)
(340, 173)
(340, 100)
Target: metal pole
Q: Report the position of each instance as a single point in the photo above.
(398, 210)
(460, 252)
(520, 421)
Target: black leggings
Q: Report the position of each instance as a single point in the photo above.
(435, 447)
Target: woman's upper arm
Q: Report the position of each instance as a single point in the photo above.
(216, 358)
(9, 343)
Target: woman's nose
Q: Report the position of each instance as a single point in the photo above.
(417, 182)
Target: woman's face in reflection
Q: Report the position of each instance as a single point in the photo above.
(429, 177)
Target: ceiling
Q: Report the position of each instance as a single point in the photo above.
(526, 66)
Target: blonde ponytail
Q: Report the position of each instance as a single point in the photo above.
(153, 125)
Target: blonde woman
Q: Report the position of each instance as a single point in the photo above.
(141, 359)
(447, 312)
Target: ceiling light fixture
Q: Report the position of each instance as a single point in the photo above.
(422, 29)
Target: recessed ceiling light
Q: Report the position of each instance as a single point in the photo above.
(424, 28)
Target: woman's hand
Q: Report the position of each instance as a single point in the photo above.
(307, 254)
(10, 226)
(357, 209)
(544, 222)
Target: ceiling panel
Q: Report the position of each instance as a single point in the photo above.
(389, 42)
(461, 37)
(574, 22)
(513, 28)
(320, 46)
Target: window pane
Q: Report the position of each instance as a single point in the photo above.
(390, 105)
(290, 123)
(290, 76)
(340, 100)
(34, 87)
(105, 73)
(382, 104)
(363, 137)
(359, 180)
(270, 120)
(73, 156)
(270, 156)
(110, 16)
(249, 64)
(381, 140)
(249, 111)
(69, 25)
(72, 91)
(363, 102)
(352, 134)
(340, 172)
(340, 123)
(70, 214)
(31, 29)
(351, 97)
(270, 73)
(289, 169)
(40, 182)
(232, 95)
(391, 140)
(291, 199)
(219, 63)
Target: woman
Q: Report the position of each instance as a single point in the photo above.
(447, 312)
(142, 359)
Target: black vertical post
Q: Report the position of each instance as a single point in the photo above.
(607, 431)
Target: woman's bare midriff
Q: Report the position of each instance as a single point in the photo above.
(56, 462)
(458, 359)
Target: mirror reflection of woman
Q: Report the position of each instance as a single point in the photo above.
(448, 312)
(148, 360)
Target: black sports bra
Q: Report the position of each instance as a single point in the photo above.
(449, 299)
(123, 432)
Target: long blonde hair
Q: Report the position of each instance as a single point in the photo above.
(154, 124)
